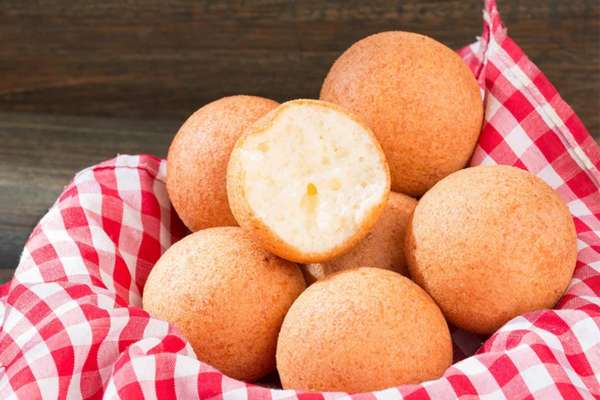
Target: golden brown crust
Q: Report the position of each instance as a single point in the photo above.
(383, 247)
(247, 219)
(198, 156)
(361, 330)
(491, 243)
(420, 99)
(194, 282)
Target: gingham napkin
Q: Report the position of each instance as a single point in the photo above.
(72, 326)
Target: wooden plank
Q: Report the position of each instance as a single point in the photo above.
(163, 59)
(40, 154)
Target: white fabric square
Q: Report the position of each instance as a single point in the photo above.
(549, 116)
(582, 158)
(515, 324)
(487, 160)
(549, 175)
(90, 202)
(588, 336)
(128, 179)
(578, 208)
(387, 394)
(283, 395)
(492, 105)
(29, 275)
(236, 394)
(536, 378)
(186, 370)
(518, 77)
(80, 334)
(518, 140)
(471, 366)
(48, 387)
(144, 368)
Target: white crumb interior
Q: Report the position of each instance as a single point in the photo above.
(313, 176)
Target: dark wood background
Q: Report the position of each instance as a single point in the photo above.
(82, 81)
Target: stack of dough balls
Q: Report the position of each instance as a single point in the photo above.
(333, 184)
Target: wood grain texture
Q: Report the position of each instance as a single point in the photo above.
(40, 154)
(154, 58)
(133, 70)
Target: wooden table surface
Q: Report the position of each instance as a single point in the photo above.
(83, 81)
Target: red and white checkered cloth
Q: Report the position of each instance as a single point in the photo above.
(72, 326)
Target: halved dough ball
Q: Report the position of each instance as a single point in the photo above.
(198, 156)
(419, 97)
(489, 243)
(360, 330)
(308, 181)
(383, 247)
(228, 297)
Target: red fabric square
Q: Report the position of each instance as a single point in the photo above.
(514, 51)
(131, 390)
(519, 106)
(462, 385)
(505, 153)
(491, 74)
(44, 254)
(544, 86)
(64, 359)
(582, 185)
(503, 370)
(489, 138)
(150, 204)
(209, 385)
(568, 391)
(22, 378)
(581, 364)
(74, 217)
(551, 322)
(419, 394)
(520, 164)
(550, 145)
(576, 127)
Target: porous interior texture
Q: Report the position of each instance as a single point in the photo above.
(313, 176)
